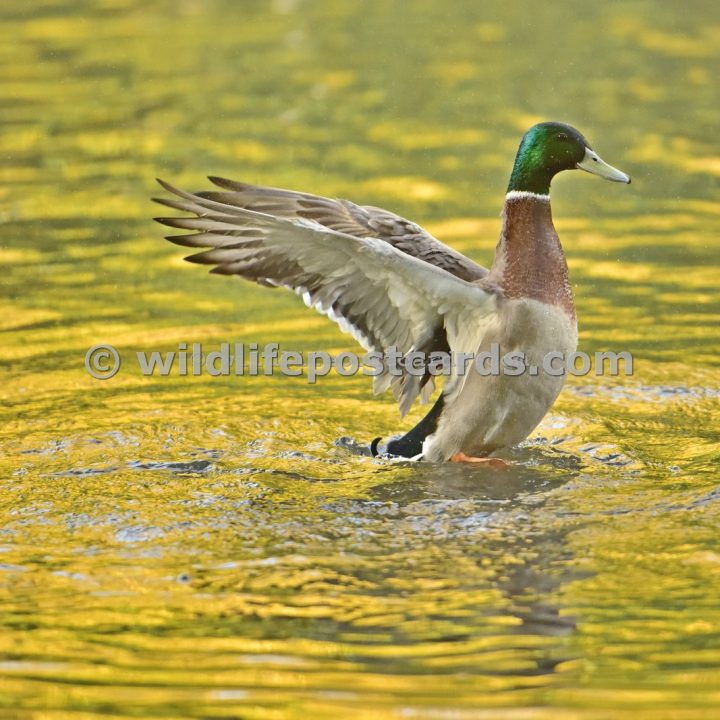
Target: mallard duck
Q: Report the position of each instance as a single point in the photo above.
(391, 284)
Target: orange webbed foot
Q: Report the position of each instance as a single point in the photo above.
(494, 463)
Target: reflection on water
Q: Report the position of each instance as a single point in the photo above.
(205, 547)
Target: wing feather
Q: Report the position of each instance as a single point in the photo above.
(342, 216)
(384, 297)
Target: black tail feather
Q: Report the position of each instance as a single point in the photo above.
(411, 444)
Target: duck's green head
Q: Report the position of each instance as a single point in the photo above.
(550, 147)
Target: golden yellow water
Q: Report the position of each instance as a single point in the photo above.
(200, 547)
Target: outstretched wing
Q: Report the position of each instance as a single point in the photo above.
(382, 296)
(344, 216)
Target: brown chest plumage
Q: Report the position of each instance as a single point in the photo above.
(529, 261)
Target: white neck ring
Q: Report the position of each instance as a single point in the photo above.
(526, 195)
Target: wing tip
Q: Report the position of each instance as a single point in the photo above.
(220, 270)
(169, 221)
(183, 240)
(196, 259)
(165, 185)
(164, 201)
(226, 183)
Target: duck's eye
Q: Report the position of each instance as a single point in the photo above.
(562, 136)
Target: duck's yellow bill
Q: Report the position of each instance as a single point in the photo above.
(593, 164)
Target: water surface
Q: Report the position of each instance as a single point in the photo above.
(202, 547)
